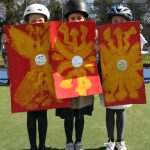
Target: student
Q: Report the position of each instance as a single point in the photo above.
(117, 14)
(35, 13)
(75, 11)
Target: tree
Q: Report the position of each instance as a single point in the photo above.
(138, 7)
(100, 8)
(11, 11)
(14, 9)
(55, 9)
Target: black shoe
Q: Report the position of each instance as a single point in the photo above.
(41, 148)
(33, 148)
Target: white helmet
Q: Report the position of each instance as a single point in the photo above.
(36, 8)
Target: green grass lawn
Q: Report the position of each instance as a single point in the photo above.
(13, 132)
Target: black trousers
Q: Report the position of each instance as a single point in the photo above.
(111, 120)
(79, 126)
(32, 118)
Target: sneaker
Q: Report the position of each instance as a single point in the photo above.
(79, 146)
(70, 146)
(121, 145)
(110, 145)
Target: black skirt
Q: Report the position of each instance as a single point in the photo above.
(68, 113)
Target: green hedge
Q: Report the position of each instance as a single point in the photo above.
(146, 59)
